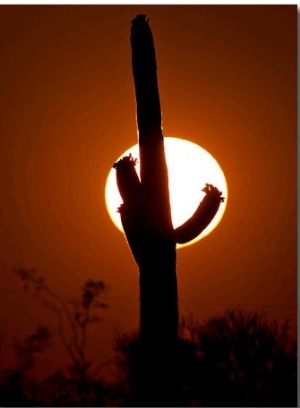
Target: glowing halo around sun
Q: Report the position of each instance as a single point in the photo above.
(190, 167)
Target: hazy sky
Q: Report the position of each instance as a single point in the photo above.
(228, 82)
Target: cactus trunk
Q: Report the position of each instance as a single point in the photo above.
(158, 285)
(157, 263)
(146, 219)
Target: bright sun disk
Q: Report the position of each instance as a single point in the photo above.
(190, 168)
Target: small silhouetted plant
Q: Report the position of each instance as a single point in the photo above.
(26, 350)
(59, 389)
(16, 388)
(236, 359)
(146, 219)
(73, 318)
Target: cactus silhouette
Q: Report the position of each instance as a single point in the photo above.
(146, 213)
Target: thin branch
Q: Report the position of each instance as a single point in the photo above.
(68, 315)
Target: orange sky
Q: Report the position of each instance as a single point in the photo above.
(228, 82)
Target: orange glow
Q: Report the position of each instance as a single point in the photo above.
(228, 81)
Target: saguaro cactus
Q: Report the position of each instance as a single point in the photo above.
(145, 212)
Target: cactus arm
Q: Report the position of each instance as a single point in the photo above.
(132, 221)
(202, 217)
(129, 187)
(128, 182)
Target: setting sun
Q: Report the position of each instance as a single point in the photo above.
(190, 167)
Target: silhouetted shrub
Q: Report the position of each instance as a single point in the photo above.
(235, 359)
